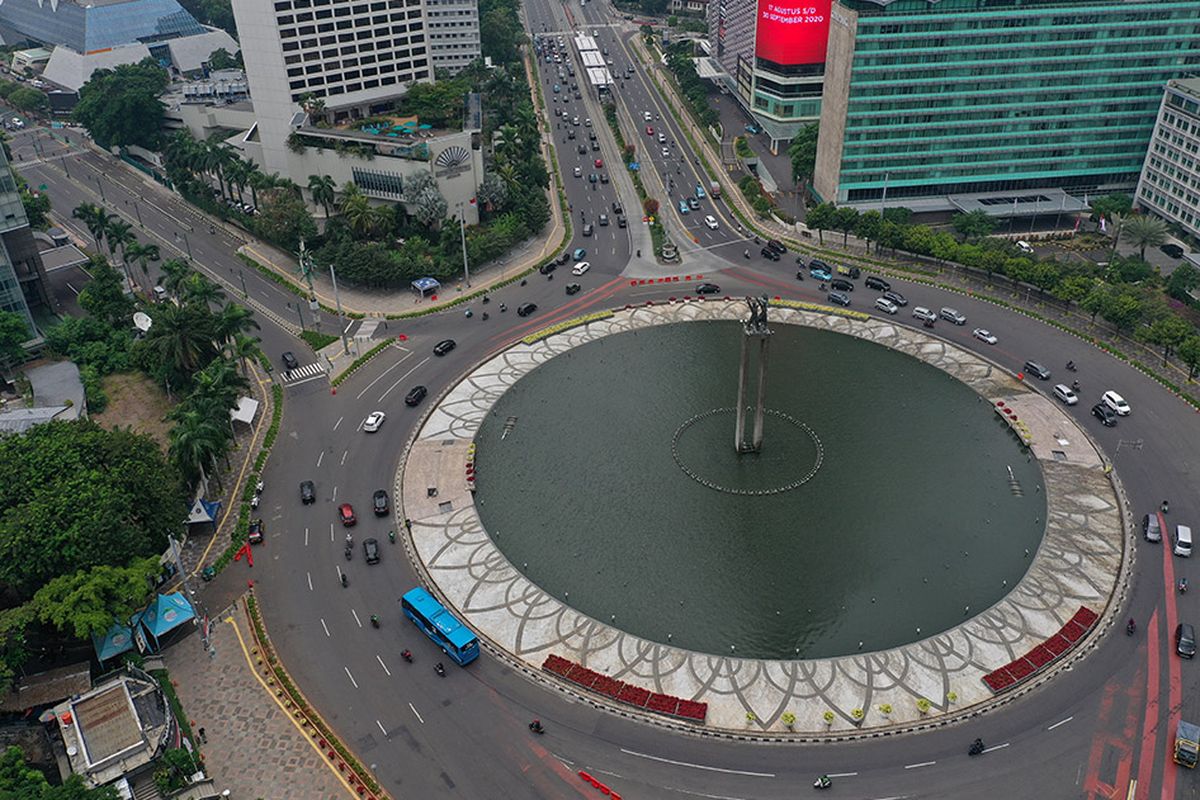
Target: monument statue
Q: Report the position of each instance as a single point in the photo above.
(755, 328)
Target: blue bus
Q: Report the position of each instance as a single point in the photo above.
(455, 639)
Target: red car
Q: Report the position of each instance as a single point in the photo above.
(346, 514)
(649, 131)
(599, 163)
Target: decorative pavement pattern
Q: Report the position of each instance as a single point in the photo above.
(1079, 562)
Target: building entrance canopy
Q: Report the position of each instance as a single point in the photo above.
(1022, 203)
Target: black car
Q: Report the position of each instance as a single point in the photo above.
(777, 246)
(587, 229)
(617, 209)
(839, 298)
(842, 285)
(817, 263)
(525, 309)
(371, 550)
(1172, 250)
(603, 220)
(379, 501)
(621, 221)
(444, 346)
(307, 493)
(769, 254)
(289, 360)
(708, 288)
(1105, 414)
(896, 298)
(254, 534)
(573, 288)
(550, 266)
(875, 282)
(415, 395)
(1037, 370)
(1185, 640)
(583, 149)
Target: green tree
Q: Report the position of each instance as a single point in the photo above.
(142, 254)
(75, 496)
(37, 206)
(221, 59)
(356, 209)
(1111, 205)
(176, 271)
(1189, 352)
(19, 781)
(803, 153)
(845, 219)
(1167, 332)
(1125, 311)
(822, 218)
(283, 219)
(118, 235)
(196, 443)
(104, 295)
(323, 189)
(974, 225)
(180, 339)
(198, 290)
(14, 332)
(1183, 279)
(1142, 231)
(94, 218)
(232, 321)
(86, 602)
(27, 98)
(121, 107)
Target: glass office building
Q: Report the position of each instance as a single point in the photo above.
(90, 25)
(926, 101)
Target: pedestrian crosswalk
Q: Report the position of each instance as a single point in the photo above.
(304, 373)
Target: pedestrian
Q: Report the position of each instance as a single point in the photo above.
(203, 738)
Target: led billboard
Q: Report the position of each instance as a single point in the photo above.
(793, 32)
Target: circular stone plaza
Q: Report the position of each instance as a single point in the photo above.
(919, 536)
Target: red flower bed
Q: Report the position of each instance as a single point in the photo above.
(1057, 644)
(583, 676)
(608, 686)
(690, 709)
(557, 665)
(998, 680)
(634, 695)
(662, 703)
(1039, 656)
(1020, 669)
(1085, 617)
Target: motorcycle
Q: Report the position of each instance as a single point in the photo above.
(746, 253)
(976, 748)
(1075, 386)
(254, 501)
(822, 782)
(345, 581)
(349, 552)
(1164, 506)
(1183, 585)
(536, 727)
(392, 537)
(258, 487)
(374, 620)
(439, 669)
(407, 656)
(1130, 627)
(1070, 366)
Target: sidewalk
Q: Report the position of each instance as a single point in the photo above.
(254, 749)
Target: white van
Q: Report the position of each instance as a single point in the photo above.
(1025, 247)
(1183, 541)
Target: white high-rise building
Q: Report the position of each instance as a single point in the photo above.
(453, 27)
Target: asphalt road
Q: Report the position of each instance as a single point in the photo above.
(1095, 729)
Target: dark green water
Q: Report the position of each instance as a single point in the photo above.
(909, 520)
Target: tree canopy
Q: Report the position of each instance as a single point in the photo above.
(121, 106)
(19, 781)
(76, 496)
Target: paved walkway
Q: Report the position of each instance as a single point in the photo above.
(254, 749)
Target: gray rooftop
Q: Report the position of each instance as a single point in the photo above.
(22, 419)
(58, 384)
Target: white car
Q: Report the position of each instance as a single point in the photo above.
(984, 335)
(374, 421)
(662, 138)
(924, 314)
(580, 268)
(1064, 393)
(666, 153)
(711, 222)
(578, 172)
(886, 306)
(1116, 403)
(646, 116)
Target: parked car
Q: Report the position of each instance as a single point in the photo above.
(308, 493)
(1065, 395)
(1037, 370)
(371, 550)
(346, 515)
(839, 298)
(254, 533)
(1172, 250)
(708, 288)
(885, 305)
(953, 315)
(923, 314)
(1105, 414)
(444, 346)
(984, 335)
(374, 421)
(777, 246)
(875, 282)
(1116, 403)
(896, 298)
(289, 360)
(1151, 530)
(379, 501)
(1185, 640)
(415, 395)
(525, 309)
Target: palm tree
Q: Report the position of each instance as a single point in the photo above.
(95, 218)
(195, 444)
(1142, 231)
(231, 321)
(237, 171)
(142, 253)
(177, 338)
(119, 235)
(323, 190)
(257, 180)
(201, 291)
(356, 209)
(175, 274)
(242, 348)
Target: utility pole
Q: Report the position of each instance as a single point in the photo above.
(338, 302)
(306, 269)
(462, 231)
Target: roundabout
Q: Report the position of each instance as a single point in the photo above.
(467, 546)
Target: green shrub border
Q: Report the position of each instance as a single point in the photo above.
(537, 336)
(168, 690)
(317, 340)
(358, 362)
(302, 705)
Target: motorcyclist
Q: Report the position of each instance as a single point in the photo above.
(439, 669)
(1164, 506)
(1130, 626)
(536, 726)
(1071, 366)
(823, 782)
(1075, 386)
(976, 747)
(406, 655)
(375, 620)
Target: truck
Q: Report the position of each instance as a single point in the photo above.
(714, 188)
(1187, 744)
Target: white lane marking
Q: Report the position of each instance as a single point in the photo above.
(606, 772)
(698, 766)
(320, 458)
(309, 575)
(334, 496)
(996, 747)
(367, 388)
(351, 677)
(331, 539)
(306, 537)
(356, 619)
(1060, 722)
(922, 764)
(841, 774)
(385, 669)
(316, 377)
(709, 796)
(380, 724)
(403, 377)
(326, 627)
(339, 422)
(566, 761)
(344, 453)
(414, 710)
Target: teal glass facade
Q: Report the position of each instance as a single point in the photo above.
(975, 96)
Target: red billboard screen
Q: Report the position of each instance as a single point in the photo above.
(793, 32)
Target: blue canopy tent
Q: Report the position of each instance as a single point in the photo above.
(425, 286)
(118, 640)
(166, 613)
(204, 511)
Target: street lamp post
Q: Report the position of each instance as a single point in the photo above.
(245, 291)
(187, 246)
(462, 231)
(101, 187)
(337, 300)
(299, 313)
(306, 269)
(138, 211)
